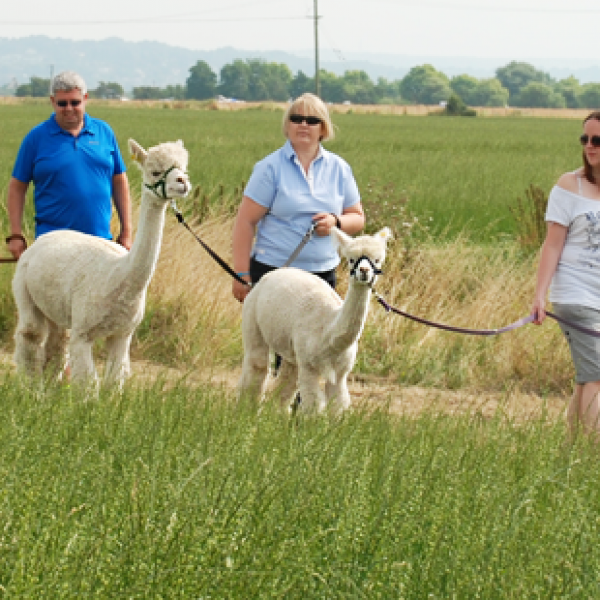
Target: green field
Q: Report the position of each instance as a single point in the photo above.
(172, 490)
(460, 265)
(463, 173)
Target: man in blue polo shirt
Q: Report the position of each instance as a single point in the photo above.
(76, 168)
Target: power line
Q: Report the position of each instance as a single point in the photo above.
(481, 7)
(335, 48)
(157, 20)
(222, 8)
(188, 17)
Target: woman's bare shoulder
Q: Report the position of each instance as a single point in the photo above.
(569, 181)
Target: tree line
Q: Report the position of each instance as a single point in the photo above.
(517, 84)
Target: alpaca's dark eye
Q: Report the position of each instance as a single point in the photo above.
(155, 173)
(351, 261)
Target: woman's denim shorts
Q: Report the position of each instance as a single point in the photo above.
(585, 349)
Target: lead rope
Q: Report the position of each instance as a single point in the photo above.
(212, 253)
(523, 321)
(464, 330)
(222, 263)
(305, 239)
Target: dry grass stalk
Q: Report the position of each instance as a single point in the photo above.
(530, 217)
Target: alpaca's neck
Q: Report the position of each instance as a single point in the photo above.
(141, 261)
(349, 322)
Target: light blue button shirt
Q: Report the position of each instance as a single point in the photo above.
(292, 198)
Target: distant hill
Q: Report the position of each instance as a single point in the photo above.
(135, 64)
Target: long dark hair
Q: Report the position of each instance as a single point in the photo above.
(587, 168)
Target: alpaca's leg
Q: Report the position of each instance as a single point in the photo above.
(56, 349)
(313, 397)
(118, 367)
(336, 390)
(31, 333)
(81, 358)
(286, 382)
(254, 376)
(255, 366)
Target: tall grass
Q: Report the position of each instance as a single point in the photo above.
(530, 215)
(459, 177)
(168, 492)
(171, 490)
(193, 321)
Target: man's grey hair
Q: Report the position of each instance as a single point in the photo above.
(67, 81)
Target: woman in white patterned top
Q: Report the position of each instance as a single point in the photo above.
(570, 267)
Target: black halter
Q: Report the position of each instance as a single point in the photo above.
(365, 257)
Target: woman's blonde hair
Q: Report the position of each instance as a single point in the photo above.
(313, 106)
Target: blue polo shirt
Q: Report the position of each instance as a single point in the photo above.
(292, 198)
(72, 175)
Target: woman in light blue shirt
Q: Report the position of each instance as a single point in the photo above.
(295, 186)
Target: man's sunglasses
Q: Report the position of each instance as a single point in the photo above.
(595, 139)
(64, 103)
(297, 119)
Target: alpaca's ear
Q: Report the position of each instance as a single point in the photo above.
(180, 142)
(339, 239)
(385, 234)
(138, 154)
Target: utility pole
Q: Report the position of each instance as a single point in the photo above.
(317, 82)
(51, 78)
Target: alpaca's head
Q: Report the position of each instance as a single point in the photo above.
(365, 254)
(164, 168)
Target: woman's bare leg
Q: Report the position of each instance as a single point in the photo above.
(584, 409)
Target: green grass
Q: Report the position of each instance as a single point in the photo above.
(181, 493)
(464, 173)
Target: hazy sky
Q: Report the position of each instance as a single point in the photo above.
(513, 29)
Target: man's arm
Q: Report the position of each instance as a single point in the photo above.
(122, 202)
(17, 192)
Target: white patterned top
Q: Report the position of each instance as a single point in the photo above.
(577, 277)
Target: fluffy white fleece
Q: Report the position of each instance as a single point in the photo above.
(298, 316)
(93, 287)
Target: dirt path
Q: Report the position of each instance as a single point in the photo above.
(409, 400)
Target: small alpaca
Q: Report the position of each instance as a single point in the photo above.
(301, 318)
(92, 286)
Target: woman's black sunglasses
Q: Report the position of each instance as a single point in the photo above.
(63, 103)
(595, 139)
(297, 119)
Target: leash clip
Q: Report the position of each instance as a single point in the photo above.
(176, 210)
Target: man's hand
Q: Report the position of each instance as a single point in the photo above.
(125, 239)
(16, 245)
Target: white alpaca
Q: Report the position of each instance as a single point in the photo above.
(301, 318)
(92, 286)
